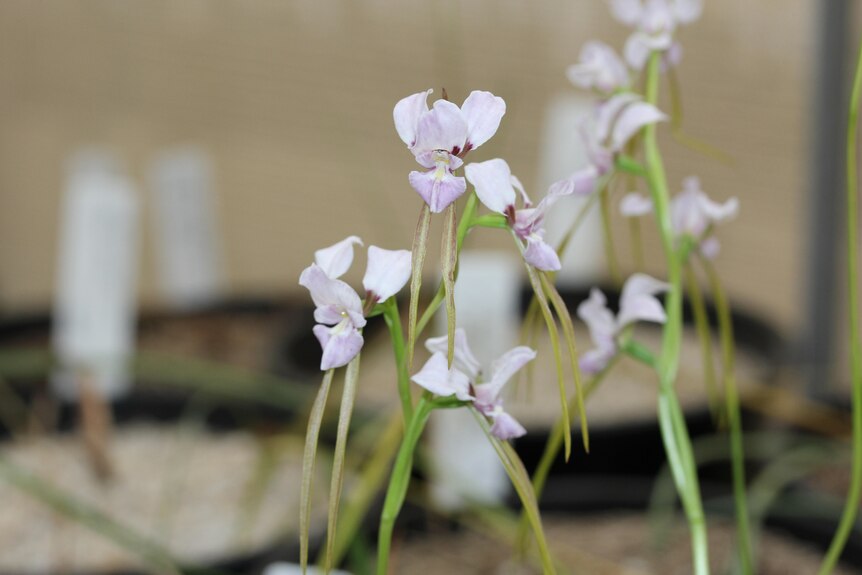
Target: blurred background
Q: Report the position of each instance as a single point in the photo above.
(278, 116)
(293, 101)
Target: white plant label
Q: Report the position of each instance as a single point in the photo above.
(465, 468)
(186, 235)
(95, 306)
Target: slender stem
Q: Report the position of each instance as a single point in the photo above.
(637, 242)
(701, 322)
(464, 226)
(851, 507)
(671, 421)
(566, 240)
(555, 440)
(399, 481)
(734, 419)
(610, 250)
(393, 322)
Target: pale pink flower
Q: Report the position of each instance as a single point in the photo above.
(693, 214)
(599, 69)
(499, 191)
(465, 380)
(637, 303)
(339, 310)
(655, 22)
(440, 136)
(606, 133)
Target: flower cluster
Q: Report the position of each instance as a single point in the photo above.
(339, 313)
(441, 136)
(693, 214)
(465, 380)
(637, 303)
(655, 22)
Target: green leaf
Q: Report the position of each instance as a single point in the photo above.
(449, 256)
(523, 487)
(569, 334)
(555, 344)
(420, 241)
(314, 421)
(351, 377)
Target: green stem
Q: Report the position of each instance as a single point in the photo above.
(399, 481)
(467, 222)
(671, 421)
(638, 352)
(610, 250)
(393, 322)
(701, 322)
(734, 418)
(851, 507)
(555, 441)
(637, 242)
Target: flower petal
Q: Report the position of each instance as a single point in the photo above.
(710, 248)
(599, 319)
(407, 113)
(631, 120)
(687, 11)
(387, 272)
(638, 301)
(436, 377)
(540, 255)
(640, 45)
(634, 204)
(686, 213)
(441, 128)
(438, 187)
(718, 213)
(599, 68)
(337, 258)
(464, 359)
(607, 114)
(507, 427)
(580, 183)
(483, 112)
(341, 346)
(595, 360)
(493, 182)
(502, 370)
(331, 296)
(628, 12)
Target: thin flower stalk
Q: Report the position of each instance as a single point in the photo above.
(854, 494)
(734, 419)
(704, 333)
(671, 421)
(399, 481)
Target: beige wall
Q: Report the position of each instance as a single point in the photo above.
(294, 101)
